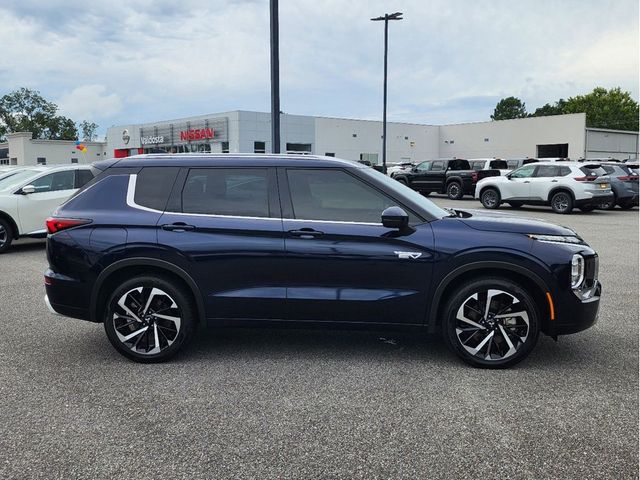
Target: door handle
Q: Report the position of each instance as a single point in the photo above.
(554, 181)
(526, 181)
(178, 227)
(306, 233)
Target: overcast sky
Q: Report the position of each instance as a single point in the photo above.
(450, 60)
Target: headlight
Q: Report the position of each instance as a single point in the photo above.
(577, 270)
(565, 239)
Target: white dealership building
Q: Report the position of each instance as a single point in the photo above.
(250, 132)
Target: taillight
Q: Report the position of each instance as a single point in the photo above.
(627, 178)
(55, 225)
(474, 176)
(584, 179)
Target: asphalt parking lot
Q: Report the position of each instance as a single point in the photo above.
(316, 404)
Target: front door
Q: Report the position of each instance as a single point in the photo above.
(50, 191)
(342, 264)
(230, 231)
(518, 183)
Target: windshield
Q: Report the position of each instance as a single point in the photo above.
(15, 179)
(404, 191)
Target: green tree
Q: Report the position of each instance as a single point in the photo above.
(508, 108)
(548, 109)
(88, 130)
(25, 110)
(613, 108)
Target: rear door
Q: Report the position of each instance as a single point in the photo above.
(419, 176)
(51, 190)
(342, 264)
(226, 224)
(543, 180)
(435, 176)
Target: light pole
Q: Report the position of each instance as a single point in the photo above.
(275, 78)
(385, 18)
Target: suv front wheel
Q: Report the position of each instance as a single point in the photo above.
(491, 323)
(149, 318)
(490, 198)
(6, 235)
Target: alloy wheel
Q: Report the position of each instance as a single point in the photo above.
(3, 235)
(489, 198)
(146, 320)
(561, 202)
(454, 191)
(492, 325)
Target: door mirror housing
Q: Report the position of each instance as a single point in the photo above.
(395, 217)
(27, 190)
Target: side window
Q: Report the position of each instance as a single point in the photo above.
(511, 164)
(563, 171)
(83, 177)
(423, 167)
(547, 171)
(55, 182)
(524, 172)
(335, 195)
(437, 166)
(226, 191)
(477, 166)
(153, 186)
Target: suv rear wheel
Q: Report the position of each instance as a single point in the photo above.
(6, 235)
(490, 198)
(149, 318)
(454, 191)
(491, 323)
(562, 202)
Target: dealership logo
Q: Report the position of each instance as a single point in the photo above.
(196, 134)
(125, 136)
(152, 140)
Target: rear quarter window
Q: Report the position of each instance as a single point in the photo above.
(153, 186)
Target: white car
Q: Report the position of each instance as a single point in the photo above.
(30, 195)
(563, 185)
(399, 167)
(479, 164)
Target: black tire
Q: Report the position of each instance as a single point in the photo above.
(496, 352)
(562, 202)
(490, 198)
(587, 208)
(178, 333)
(402, 181)
(515, 204)
(454, 191)
(627, 206)
(6, 235)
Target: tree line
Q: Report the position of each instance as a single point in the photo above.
(613, 109)
(25, 110)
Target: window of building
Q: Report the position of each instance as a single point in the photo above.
(299, 148)
(41, 160)
(555, 150)
(226, 191)
(225, 147)
(329, 154)
(259, 147)
(74, 160)
(4, 161)
(55, 182)
(335, 195)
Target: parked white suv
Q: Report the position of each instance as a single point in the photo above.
(31, 195)
(563, 185)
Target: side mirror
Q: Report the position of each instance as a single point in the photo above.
(27, 189)
(395, 217)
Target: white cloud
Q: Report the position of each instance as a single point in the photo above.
(89, 101)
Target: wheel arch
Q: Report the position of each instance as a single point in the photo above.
(12, 223)
(483, 188)
(558, 189)
(524, 276)
(141, 265)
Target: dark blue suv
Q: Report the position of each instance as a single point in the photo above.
(158, 245)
